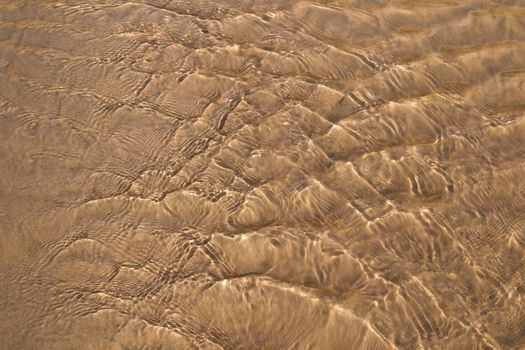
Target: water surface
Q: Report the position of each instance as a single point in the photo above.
(262, 174)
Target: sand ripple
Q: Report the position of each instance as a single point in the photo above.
(262, 174)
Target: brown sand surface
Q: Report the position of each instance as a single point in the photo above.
(262, 174)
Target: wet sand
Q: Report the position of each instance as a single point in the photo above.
(262, 174)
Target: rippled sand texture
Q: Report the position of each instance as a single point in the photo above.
(262, 174)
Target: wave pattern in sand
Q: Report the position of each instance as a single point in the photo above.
(262, 174)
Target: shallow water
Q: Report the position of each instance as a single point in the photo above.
(262, 174)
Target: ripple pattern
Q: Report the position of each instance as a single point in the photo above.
(262, 174)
